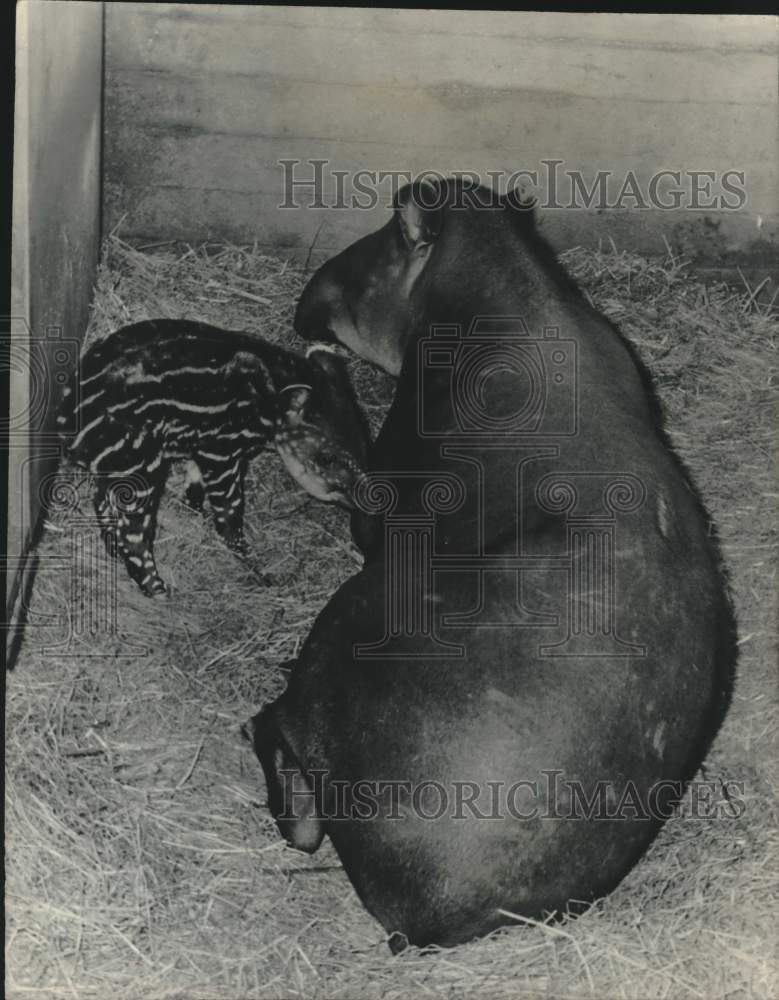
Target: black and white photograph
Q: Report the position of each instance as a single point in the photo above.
(391, 541)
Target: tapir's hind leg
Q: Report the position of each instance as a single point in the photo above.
(126, 507)
(137, 528)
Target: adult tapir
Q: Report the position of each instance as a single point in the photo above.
(495, 714)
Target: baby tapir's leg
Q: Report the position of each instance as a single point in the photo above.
(127, 511)
(137, 528)
(223, 480)
(195, 493)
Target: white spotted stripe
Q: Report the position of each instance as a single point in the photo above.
(81, 434)
(94, 465)
(173, 403)
(229, 472)
(186, 370)
(90, 399)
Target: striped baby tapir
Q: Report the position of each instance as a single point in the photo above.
(160, 391)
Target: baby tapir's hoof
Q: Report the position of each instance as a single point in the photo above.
(230, 530)
(237, 543)
(145, 576)
(153, 587)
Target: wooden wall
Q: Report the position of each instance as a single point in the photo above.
(202, 102)
(54, 245)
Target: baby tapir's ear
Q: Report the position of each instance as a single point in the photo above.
(294, 398)
(419, 210)
(329, 359)
(291, 796)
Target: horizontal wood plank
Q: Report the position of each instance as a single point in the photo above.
(202, 104)
(359, 51)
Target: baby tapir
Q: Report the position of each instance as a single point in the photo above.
(163, 390)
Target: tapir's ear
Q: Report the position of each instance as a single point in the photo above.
(291, 796)
(419, 208)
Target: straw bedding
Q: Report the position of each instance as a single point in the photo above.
(141, 859)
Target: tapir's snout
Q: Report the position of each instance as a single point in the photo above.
(360, 298)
